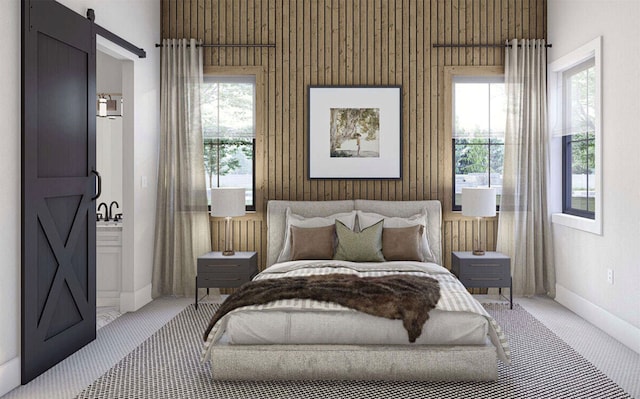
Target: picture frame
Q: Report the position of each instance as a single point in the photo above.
(355, 132)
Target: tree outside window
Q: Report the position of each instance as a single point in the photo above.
(478, 134)
(228, 120)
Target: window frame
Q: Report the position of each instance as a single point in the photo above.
(560, 186)
(450, 74)
(258, 74)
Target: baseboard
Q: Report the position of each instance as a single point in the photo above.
(9, 375)
(619, 329)
(108, 298)
(108, 302)
(132, 301)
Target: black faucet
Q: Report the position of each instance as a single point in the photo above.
(106, 212)
(111, 209)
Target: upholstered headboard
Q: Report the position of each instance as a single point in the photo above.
(276, 222)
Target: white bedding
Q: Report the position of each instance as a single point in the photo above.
(458, 318)
(350, 327)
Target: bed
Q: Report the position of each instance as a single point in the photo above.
(312, 340)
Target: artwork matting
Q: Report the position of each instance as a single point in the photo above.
(355, 132)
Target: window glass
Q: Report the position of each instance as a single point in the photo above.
(478, 136)
(579, 190)
(228, 125)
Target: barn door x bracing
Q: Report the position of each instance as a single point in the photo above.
(58, 184)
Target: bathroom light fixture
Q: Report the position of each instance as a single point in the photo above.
(109, 105)
(102, 105)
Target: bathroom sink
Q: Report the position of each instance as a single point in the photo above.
(109, 225)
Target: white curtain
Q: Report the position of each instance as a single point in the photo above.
(524, 228)
(182, 221)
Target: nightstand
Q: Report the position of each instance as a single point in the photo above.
(219, 271)
(491, 270)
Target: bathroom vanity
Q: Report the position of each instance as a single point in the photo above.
(109, 263)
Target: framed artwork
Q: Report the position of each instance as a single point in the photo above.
(355, 132)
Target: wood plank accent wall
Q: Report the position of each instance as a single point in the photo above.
(353, 42)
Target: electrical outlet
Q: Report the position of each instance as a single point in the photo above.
(610, 276)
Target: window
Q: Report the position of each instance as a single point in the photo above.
(229, 131)
(578, 143)
(575, 129)
(479, 118)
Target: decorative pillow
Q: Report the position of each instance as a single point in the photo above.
(402, 243)
(365, 246)
(348, 218)
(313, 242)
(366, 219)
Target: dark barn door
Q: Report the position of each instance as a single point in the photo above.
(58, 212)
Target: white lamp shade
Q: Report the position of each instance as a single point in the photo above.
(227, 201)
(478, 201)
(102, 106)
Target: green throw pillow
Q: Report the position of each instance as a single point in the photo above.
(365, 246)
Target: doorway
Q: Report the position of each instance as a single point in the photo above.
(110, 209)
(114, 153)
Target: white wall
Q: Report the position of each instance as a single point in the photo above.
(10, 196)
(108, 74)
(139, 23)
(109, 133)
(109, 162)
(582, 258)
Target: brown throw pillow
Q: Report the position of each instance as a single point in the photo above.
(313, 242)
(402, 243)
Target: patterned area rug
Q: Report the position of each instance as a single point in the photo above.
(167, 366)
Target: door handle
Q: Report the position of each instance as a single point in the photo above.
(95, 172)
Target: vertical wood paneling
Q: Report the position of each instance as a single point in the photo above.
(354, 42)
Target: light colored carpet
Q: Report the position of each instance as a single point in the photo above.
(167, 366)
(124, 334)
(613, 358)
(113, 342)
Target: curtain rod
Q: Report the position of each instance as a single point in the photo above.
(228, 45)
(478, 45)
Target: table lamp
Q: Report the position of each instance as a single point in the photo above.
(228, 202)
(478, 202)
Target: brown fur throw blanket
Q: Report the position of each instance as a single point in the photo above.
(405, 297)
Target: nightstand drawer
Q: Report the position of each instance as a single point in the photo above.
(493, 264)
(238, 267)
(485, 281)
(496, 267)
(223, 279)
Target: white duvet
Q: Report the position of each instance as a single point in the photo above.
(458, 318)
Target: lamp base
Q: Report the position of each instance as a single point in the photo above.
(477, 246)
(228, 237)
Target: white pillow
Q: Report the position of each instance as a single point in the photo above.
(366, 219)
(348, 218)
